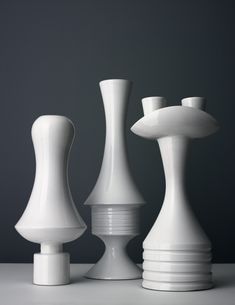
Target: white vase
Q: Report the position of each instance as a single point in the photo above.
(115, 199)
(51, 218)
(177, 253)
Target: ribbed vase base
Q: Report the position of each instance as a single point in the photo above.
(115, 220)
(177, 270)
(190, 286)
(115, 225)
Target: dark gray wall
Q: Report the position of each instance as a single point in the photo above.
(52, 56)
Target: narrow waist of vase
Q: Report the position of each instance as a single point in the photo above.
(115, 220)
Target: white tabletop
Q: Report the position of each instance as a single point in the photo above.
(16, 288)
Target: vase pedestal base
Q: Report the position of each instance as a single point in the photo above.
(177, 270)
(111, 272)
(51, 269)
(115, 263)
(176, 286)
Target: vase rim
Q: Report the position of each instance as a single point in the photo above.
(153, 97)
(193, 97)
(115, 80)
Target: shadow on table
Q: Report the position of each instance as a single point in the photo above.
(224, 281)
(78, 279)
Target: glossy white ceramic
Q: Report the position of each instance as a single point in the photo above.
(51, 218)
(115, 199)
(115, 184)
(177, 253)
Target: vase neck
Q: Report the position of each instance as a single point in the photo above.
(174, 154)
(115, 117)
(115, 94)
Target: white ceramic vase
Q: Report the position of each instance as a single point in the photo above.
(177, 253)
(51, 218)
(115, 200)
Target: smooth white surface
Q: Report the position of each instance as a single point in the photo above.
(51, 269)
(195, 102)
(176, 227)
(115, 199)
(176, 234)
(50, 217)
(115, 184)
(175, 120)
(16, 289)
(51, 205)
(115, 264)
(153, 103)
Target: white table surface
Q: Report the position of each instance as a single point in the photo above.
(16, 288)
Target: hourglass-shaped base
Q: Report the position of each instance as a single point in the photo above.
(115, 263)
(115, 225)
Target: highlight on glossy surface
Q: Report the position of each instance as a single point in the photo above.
(51, 217)
(176, 121)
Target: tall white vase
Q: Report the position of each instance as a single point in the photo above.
(177, 253)
(51, 218)
(115, 200)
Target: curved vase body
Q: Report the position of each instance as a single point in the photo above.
(51, 218)
(115, 199)
(177, 253)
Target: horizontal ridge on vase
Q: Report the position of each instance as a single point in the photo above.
(115, 199)
(177, 252)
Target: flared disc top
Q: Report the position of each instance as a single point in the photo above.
(175, 120)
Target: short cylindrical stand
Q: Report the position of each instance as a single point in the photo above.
(51, 266)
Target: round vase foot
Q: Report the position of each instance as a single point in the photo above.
(51, 269)
(177, 270)
(104, 270)
(115, 263)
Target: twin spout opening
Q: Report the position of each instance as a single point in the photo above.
(153, 103)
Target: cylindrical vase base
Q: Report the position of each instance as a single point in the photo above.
(51, 269)
(177, 270)
(190, 286)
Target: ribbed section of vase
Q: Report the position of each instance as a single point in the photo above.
(177, 270)
(115, 220)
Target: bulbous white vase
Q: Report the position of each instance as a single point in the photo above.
(51, 218)
(177, 253)
(115, 199)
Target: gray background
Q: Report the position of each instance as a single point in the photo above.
(52, 56)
